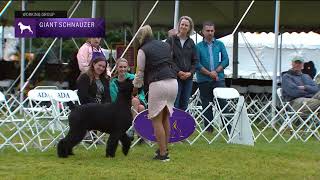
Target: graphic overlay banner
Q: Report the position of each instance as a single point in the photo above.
(59, 27)
(182, 126)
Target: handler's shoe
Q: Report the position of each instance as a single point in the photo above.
(158, 152)
(164, 158)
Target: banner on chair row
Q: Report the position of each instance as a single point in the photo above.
(182, 125)
(59, 27)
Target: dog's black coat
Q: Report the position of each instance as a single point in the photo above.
(114, 119)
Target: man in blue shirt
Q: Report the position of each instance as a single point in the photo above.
(213, 59)
(298, 88)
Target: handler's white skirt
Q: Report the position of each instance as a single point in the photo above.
(161, 94)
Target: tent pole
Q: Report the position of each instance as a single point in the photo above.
(75, 43)
(243, 16)
(275, 54)
(176, 14)
(235, 49)
(93, 8)
(5, 7)
(30, 45)
(22, 57)
(196, 37)
(235, 56)
(133, 38)
(60, 49)
(125, 35)
(280, 56)
(235, 42)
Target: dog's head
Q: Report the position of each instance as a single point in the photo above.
(125, 89)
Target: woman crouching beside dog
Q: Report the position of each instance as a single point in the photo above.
(138, 102)
(155, 67)
(93, 84)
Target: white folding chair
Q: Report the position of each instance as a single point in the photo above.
(11, 133)
(224, 112)
(39, 112)
(5, 84)
(60, 98)
(233, 116)
(302, 126)
(215, 123)
(317, 79)
(194, 105)
(197, 111)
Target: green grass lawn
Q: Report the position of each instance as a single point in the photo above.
(278, 160)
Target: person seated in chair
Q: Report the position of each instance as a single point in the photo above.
(299, 88)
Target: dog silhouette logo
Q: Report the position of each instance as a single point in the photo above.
(24, 27)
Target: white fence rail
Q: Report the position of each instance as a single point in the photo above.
(43, 128)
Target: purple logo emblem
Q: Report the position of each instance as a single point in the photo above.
(25, 27)
(59, 27)
(182, 126)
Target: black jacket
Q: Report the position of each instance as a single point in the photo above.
(184, 57)
(159, 64)
(87, 92)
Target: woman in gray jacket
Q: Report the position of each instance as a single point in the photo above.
(185, 57)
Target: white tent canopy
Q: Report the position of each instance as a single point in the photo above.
(289, 40)
(306, 44)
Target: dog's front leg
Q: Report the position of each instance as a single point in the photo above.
(112, 144)
(126, 143)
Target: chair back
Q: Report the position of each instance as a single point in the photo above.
(2, 97)
(226, 93)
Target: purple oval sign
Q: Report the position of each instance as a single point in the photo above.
(182, 126)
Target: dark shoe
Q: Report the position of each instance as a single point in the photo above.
(99, 143)
(209, 130)
(131, 138)
(164, 158)
(141, 141)
(158, 152)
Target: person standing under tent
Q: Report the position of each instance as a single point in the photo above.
(155, 67)
(87, 51)
(185, 57)
(213, 59)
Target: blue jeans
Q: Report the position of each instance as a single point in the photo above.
(184, 93)
(206, 96)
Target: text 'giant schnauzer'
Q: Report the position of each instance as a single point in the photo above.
(114, 119)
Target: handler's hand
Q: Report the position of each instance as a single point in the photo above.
(214, 75)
